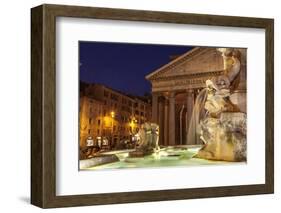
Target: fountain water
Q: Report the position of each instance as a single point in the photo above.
(198, 114)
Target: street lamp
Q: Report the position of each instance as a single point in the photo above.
(112, 119)
(112, 114)
(133, 125)
(134, 129)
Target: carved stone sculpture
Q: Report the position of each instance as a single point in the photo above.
(147, 143)
(224, 137)
(223, 130)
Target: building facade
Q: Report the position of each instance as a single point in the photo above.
(109, 114)
(176, 85)
(91, 119)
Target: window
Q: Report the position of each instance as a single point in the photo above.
(114, 97)
(99, 122)
(105, 93)
(125, 108)
(124, 101)
(89, 131)
(90, 120)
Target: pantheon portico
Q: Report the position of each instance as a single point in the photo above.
(176, 85)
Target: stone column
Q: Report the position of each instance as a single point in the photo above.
(161, 120)
(189, 104)
(181, 125)
(172, 122)
(166, 122)
(155, 108)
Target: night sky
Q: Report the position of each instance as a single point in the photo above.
(123, 66)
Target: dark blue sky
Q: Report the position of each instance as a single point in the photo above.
(123, 66)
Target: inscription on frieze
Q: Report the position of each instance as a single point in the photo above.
(178, 84)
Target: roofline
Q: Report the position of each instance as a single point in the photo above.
(171, 62)
(129, 96)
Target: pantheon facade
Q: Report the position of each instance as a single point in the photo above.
(176, 85)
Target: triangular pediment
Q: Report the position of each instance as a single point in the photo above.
(199, 60)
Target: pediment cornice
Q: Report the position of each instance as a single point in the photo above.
(193, 63)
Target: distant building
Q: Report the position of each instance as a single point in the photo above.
(109, 114)
(91, 119)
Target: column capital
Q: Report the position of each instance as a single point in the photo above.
(171, 95)
(156, 94)
(190, 91)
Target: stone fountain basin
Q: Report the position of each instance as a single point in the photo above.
(97, 160)
(181, 156)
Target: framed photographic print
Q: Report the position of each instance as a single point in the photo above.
(137, 106)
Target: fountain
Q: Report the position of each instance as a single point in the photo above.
(216, 121)
(198, 114)
(147, 143)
